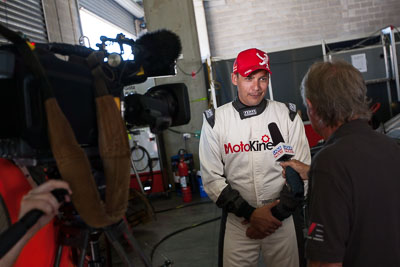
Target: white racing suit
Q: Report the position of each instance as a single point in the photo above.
(239, 173)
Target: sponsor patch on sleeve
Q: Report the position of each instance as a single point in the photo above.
(316, 232)
(292, 110)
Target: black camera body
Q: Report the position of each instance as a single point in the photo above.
(23, 133)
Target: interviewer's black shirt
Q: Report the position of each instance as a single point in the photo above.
(354, 203)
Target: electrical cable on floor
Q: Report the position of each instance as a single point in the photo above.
(179, 231)
(184, 206)
(167, 261)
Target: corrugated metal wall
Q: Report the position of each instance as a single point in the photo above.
(25, 16)
(112, 12)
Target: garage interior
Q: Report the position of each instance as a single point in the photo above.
(171, 225)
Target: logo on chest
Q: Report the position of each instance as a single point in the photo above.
(256, 145)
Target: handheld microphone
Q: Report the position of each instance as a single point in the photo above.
(284, 152)
(281, 151)
(291, 196)
(13, 234)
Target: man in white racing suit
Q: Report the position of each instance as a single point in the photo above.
(238, 169)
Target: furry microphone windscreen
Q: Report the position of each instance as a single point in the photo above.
(157, 50)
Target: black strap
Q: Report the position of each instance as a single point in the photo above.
(5, 220)
(222, 228)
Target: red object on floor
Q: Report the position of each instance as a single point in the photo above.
(145, 177)
(183, 172)
(186, 194)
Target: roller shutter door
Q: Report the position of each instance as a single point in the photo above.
(112, 12)
(25, 16)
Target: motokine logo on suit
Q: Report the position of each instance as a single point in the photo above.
(256, 145)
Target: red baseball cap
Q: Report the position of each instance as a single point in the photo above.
(250, 60)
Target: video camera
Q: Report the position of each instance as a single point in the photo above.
(23, 133)
(57, 113)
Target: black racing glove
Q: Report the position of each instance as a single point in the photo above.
(291, 195)
(232, 201)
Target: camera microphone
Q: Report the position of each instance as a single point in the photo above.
(156, 51)
(162, 46)
(13, 234)
(155, 54)
(294, 191)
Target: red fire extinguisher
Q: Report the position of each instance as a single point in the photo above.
(183, 173)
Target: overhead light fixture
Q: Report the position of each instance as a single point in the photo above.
(132, 7)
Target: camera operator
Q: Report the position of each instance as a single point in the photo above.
(20, 198)
(354, 204)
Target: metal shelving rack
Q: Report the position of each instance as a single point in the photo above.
(374, 67)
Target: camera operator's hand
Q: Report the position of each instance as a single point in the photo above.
(263, 220)
(42, 199)
(300, 167)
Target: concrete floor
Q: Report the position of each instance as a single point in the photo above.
(195, 247)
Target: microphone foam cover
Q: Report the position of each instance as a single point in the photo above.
(162, 47)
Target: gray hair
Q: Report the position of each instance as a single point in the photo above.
(337, 92)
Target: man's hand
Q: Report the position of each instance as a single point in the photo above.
(252, 233)
(298, 166)
(263, 221)
(42, 199)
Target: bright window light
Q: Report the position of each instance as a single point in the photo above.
(93, 27)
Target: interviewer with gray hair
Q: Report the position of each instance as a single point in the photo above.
(354, 203)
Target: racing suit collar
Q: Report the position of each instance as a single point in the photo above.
(246, 112)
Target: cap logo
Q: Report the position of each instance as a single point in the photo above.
(264, 60)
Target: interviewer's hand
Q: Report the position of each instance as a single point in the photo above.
(298, 166)
(42, 199)
(263, 221)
